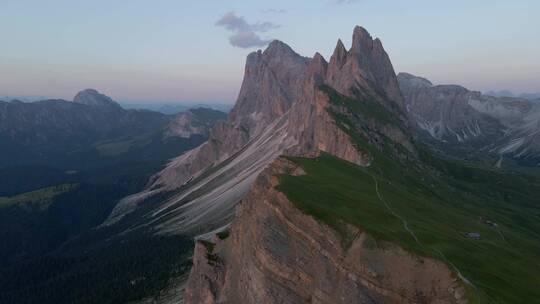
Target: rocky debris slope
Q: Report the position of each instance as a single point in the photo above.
(453, 115)
(277, 254)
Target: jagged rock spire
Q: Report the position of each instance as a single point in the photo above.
(366, 66)
(317, 69)
(339, 56)
(361, 39)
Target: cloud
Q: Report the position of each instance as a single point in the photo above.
(274, 11)
(344, 1)
(245, 34)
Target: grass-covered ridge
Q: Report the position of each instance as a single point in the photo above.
(503, 265)
(38, 199)
(431, 204)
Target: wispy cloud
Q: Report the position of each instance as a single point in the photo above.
(274, 11)
(344, 1)
(245, 35)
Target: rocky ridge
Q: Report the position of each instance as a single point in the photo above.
(274, 253)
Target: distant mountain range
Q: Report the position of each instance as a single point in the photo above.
(173, 108)
(476, 124)
(93, 128)
(162, 107)
(506, 93)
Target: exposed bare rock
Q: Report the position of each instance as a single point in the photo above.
(312, 125)
(272, 82)
(277, 254)
(337, 60)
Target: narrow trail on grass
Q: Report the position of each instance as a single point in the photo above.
(502, 236)
(406, 226)
(461, 276)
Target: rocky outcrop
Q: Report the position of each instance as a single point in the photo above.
(272, 82)
(276, 254)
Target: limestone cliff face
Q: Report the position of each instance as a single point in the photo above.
(272, 82)
(277, 254)
(311, 123)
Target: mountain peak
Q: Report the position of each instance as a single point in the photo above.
(361, 38)
(339, 56)
(91, 97)
(272, 82)
(318, 57)
(279, 48)
(317, 68)
(366, 66)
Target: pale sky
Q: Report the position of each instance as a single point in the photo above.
(174, 50)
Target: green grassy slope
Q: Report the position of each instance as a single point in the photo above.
(427, 207)
(39, 199)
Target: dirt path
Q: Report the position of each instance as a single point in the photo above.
(406, 226)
